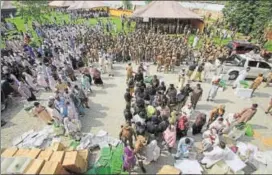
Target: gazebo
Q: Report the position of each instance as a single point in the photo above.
(170, 13)
(7, 8)
(80, 5)
(61, 3)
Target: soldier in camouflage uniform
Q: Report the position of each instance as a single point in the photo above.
(167, 63)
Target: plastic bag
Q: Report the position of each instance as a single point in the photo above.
(249, 130)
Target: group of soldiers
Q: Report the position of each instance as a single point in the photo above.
(141, 46)
(169, 28)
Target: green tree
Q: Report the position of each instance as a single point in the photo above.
(34, 10)
(127, 5)
(147, 2)
(248, 17)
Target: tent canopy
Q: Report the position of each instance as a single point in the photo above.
(5, 5)
(165, 9)
(87, 5)
(61, 3)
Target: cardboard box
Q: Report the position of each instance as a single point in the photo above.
(45, 155)
(57, 146)
(9, 152)
(53, 168)
(34, 167)
(84, 153)
(167, 169)
(57, 156)
(74, 162)
(21, 153)
(33, 153)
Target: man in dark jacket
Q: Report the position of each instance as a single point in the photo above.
(128, 97)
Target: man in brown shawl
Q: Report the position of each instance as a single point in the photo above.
(196, 95)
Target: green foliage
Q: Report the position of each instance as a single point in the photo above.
(147, 2)
(249, 17)
(127, 5)
(34, 10)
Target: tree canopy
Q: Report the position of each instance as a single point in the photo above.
(248, 17)
(32, 9)
(127, 5)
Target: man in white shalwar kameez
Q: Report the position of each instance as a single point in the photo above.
(217, 154)
(208, 67)
(24, 91)
(30, 81)
(242, 76)
(102, 63)
(151, 152)
(109, 64)
(72, 126)
(72, 113)
(54, 112)
(195, 41)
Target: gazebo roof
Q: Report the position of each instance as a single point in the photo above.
(165, 9)
(7, 5)
(61, 3)
(87, 5)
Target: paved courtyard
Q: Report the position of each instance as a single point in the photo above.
(107, 105)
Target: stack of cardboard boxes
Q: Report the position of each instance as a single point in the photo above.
(53, 160)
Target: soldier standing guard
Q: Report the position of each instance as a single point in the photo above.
(167, 63)
(159, 62)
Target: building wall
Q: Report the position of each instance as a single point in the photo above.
(118, 13)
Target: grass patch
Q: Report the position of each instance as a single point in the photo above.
(268, 46)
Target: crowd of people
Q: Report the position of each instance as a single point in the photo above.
(156, 113)
(87, 14)
(72, 58)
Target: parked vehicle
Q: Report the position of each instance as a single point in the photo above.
(236, 63)
(241, 47)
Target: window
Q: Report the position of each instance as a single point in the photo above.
(252, 63)
(264, 65)
(240, 48)
(242, 63)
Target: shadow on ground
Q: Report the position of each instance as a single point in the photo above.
(92, 116)
(262, 94)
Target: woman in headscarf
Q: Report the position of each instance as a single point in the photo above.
(85, 81)
(187, 110)
(182, 126)
(169, 136)
(129, 159)
(41, 112)
(41, 81)
(30, 81)
(199, 123)
(52, 83)
(165, 111)
(96, 76)
(26, 92)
